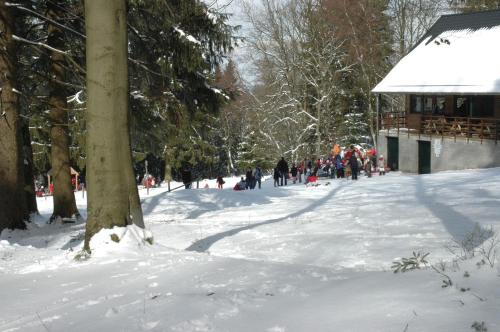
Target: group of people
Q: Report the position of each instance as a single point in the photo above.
(341, 163)
(252, 178)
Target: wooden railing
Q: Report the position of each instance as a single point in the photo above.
(445, 126)
(393, 121)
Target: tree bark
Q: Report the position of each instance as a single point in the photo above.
(111, 200)
(13, 208)
(64, 197)
(136, 215)
(318, 131)
(29, 183)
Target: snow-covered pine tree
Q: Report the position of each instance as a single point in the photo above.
(175, 47)
(231, 117)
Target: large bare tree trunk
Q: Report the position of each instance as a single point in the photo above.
(109, 167)
(13, 209)
(64, 198)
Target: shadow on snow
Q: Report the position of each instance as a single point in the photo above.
(205, 244)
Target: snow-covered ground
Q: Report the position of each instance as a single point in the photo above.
(293, 258)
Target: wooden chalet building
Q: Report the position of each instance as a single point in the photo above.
(451, 84)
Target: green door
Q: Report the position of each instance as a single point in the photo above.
(393, 153)
(424, 157)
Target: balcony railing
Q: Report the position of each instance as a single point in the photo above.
(443, 126)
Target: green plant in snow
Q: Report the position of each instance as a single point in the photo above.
(407, 264)
(479, 327)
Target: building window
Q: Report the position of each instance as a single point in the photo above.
(461, 106)
(440, 105)
(428, 104)
(474, 106)
(416, 104)
(482, 106)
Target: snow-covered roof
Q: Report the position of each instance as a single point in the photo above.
(460, 54)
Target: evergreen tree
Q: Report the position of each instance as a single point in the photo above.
(13, 204)
(175, 47)
(231, 117)
(64, 198)
(50, 68)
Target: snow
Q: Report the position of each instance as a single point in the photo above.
(189, 37)
(460, 61)
(292, 258)
(217, 91)
(136, 94)
(76, 98)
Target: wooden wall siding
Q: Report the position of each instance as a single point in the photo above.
(413, 120)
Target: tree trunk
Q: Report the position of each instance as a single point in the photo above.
(13, 209)
(318, 131)
(230, 165)
(136, 215)
(29, 183)
(168, 165)
(64, 198)
(109, 166)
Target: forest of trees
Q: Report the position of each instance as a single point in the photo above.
(104, 86)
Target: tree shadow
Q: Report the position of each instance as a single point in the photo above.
(456, 224)
(219, 199)
(205, 243)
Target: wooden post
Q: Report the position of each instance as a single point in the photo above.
(431, 129)
(482, 131)
(147, 178)
(496, 131)
(397, 119)
(377, 123)
(468, 129)
(443, 125)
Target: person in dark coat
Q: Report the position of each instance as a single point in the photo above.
(353, 162)
(339, 166)
(283, 169)
(258, 176)
(220, 182)
(186, 177)
(249, 179)
(276, 177)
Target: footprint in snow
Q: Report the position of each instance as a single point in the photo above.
(111, 312)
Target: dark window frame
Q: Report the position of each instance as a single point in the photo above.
(475, 106)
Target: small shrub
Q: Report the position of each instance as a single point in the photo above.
(479, 327)
(407, 264)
